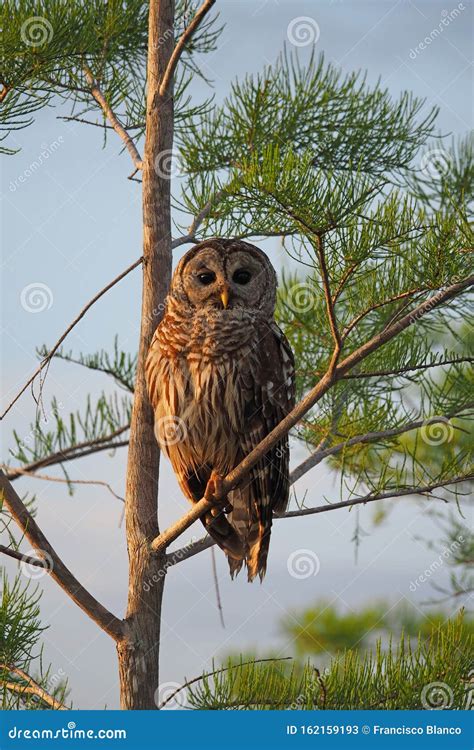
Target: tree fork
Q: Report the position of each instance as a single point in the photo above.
(138, 652)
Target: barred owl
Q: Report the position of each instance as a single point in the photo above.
(220, 377)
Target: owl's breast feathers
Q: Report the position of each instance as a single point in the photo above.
(224, 381)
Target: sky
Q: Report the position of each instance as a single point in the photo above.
(73, 224)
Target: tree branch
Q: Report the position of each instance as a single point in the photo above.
(181, 44)
(31, 687)
(23, 558)
(328, 297)
(116, 124)
(112, 625)
(63, 480)
(70, 454)
(194, 549)
(412, 368)
(68, 330)
(197, 221)
(370, 437)
(315, 394)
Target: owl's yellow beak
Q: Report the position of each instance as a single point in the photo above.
(225, 297)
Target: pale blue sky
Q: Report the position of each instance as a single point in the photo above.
(75, 224)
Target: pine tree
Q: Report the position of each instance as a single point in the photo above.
(368, 201)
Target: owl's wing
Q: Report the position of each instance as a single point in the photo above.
(269, 394)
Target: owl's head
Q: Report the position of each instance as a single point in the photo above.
(225, 274)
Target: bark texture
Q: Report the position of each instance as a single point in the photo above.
(138, 652)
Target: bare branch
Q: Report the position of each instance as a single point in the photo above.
(68, 330)
(218, 671)
(370, 437)
(181, 44)
(23, 558)
(197, 221)
(117, 126)
(384, 302)
(421, 489)
(315, 394)
(63, 480)
(31, 687)
(412, 368)
(207, 541)
(61, 574)
(70, 454)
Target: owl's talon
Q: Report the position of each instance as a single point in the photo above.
(214, 490)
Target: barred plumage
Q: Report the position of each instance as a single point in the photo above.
(220, 376)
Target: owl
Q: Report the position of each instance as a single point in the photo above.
(220, 376)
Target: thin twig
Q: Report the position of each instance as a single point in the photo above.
(369, 437)
(181, 44)
(218, 671)
(116, 124)
(31, 687)
(111, 624)
(412, 368)
(198, 220)
(327, 294)
(63, 480)
(216, 586)
(315, 394)
(68, 330)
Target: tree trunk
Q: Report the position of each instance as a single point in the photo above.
(138, 653)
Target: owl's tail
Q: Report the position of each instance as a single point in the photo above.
(252, 520)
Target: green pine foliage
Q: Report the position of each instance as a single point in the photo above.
(20, 633)
(413, 674)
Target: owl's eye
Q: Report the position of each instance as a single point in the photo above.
(207, 278)
(242, 276)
